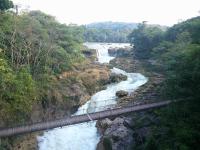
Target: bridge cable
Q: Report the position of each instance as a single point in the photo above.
(89, 117)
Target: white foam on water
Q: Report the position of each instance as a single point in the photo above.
(85, 136)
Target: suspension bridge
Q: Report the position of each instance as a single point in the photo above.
(75, 119)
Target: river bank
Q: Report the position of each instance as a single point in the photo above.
(133, 81)
(85, 134)
(130, 131)
(72, 89)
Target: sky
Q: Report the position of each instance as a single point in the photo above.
(163, 12)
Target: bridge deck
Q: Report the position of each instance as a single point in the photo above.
(78, 119)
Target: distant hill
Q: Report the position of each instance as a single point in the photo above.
(108, 31)
(112, 25)
(162, 27)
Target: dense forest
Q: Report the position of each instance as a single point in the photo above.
(176, 53)
(34, 49)
(109, 32)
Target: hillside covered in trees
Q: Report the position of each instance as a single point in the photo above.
(176, 54)
(34, 50)
(109, 32)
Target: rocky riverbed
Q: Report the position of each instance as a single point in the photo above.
(124, 132)
(130, 131)
(86, 135)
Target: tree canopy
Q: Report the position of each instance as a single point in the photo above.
(5, 4)
(176, 53)
(108, 32)
(144, 38)
(34, 48)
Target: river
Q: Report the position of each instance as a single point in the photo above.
(85, 136)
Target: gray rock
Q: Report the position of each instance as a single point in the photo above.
(117, 77)
(121, 93)
(129, 123)
(120, 136)
(102, 125)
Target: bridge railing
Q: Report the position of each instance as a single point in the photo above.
(106, 104)
(78, 119)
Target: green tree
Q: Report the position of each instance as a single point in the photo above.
(144, 39)
(178, 54)
(5, 4)
(34, 49)
(108, 32)
(17, 93)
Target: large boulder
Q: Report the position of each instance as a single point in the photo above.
(121, 93)
(102, 125)
(114, 78)
(116, 136)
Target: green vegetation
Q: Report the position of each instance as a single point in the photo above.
(175, 52)
(34, 49)
(5, 4)
(144, 38)
(17, 90)
(109, 32)
(107, 143)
